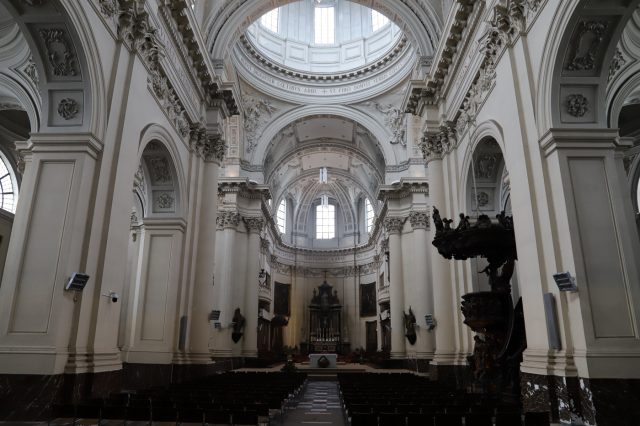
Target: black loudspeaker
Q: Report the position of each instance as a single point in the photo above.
(182, 340)
(77, 282)
(551, 317)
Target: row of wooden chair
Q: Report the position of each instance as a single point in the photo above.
(207, 401)
(443, 419)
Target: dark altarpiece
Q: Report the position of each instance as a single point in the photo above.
(281, 299)
(325, 321)
(368, 300)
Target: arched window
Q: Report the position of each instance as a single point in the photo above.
(325, 25)
(325, 222)
(7, 187)
(270, 20)
(378, 20)
(370, 215)
(282, 216)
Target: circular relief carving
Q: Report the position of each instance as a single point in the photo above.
(577, 105)
(68, 108)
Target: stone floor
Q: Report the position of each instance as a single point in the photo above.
(318, 405)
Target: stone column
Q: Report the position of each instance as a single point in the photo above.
(441, 275)
(393, 226)
(250, 344)
(422, 285)
(227, 223)
(210, 147)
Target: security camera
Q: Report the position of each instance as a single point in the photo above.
(113, 296)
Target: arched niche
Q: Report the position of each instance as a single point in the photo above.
(381, 134)
(575, 68)
(157, 183)
(71, 83)
(487, 191)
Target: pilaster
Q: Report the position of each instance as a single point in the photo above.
(47, 245)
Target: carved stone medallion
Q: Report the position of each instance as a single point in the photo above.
(577, 105)
(68, 108)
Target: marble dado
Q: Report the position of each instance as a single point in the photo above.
(32, 397)
(575, 400)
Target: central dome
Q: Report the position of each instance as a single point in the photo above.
(324, 36)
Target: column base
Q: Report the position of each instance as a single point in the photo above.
(419, 365)
(221, 353)
(80, 363)
(250, 353)
(397, 355)
(192, 358)
(23, 360)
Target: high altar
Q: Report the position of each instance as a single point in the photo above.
(325, 321)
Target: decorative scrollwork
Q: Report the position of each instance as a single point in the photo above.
(59, 52)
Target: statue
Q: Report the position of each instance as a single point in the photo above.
(483, 221)
(464, 223)
(238, 326)
(409, 325)
(437, 221)
(505, 220)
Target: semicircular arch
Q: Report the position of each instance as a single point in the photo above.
(58, 35)
(171, 170)
(573, 79)
(485, 131)
(366, 121)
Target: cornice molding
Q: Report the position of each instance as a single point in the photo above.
(178, 15)
(134, 27)
(402, 189)
(506, 25)
(244, 188)
(297, 87)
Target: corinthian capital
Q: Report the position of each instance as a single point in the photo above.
(435, 145)
(227, 219)
(215, 148)
(419, 220)
(254, 224)
(393, 225)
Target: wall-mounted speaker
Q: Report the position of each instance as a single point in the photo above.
(565, 281)
(77, 282)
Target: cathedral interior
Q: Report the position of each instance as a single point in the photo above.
(383, 212)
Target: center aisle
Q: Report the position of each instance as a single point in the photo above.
(319, 405)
